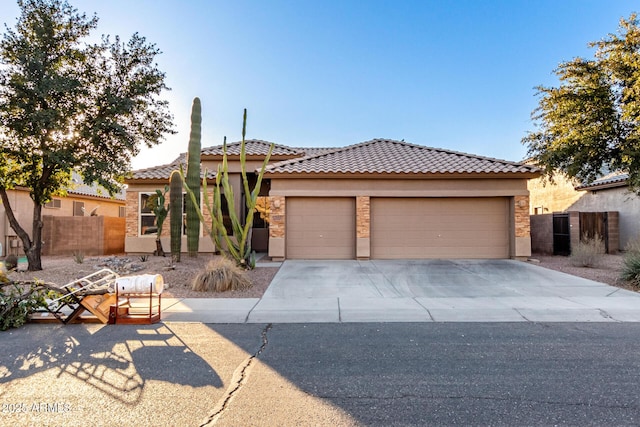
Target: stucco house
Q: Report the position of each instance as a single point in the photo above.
(607, 194)
(379, 199)
(66, 226)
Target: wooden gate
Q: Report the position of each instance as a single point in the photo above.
(594, 224)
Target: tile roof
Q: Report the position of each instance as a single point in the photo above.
(314, 151)
(253, 147)
(79, 187)
(385, 156)
(613, 179)
(163, 172)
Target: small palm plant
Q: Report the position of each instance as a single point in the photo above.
(156, 202)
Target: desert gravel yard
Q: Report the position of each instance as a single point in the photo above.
(62, 270)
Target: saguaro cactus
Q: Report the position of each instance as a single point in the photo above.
(175, 212)
(193, 179)
(238, 245)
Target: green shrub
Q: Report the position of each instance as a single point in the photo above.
(631, 266)
(587, 253)
(220, 275)
(17, 302)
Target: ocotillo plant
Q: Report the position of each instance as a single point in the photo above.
(175, 212)
(238, 246)
(193, 179)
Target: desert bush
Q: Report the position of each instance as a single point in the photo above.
(11, 262)
(587, 253)
(631, 266)
(220, 275)
(78, 257)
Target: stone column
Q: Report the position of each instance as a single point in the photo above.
(131, 212)
(522, 227)
(277, 227)
(363, 227)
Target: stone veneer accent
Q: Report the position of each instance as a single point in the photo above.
(363, 216)
(277, 217)
(131, 212)
(521, 211)
(205, 211)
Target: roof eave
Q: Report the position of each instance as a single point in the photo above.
(364, 175)
(597, 187)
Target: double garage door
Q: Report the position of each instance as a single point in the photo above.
(412, 228)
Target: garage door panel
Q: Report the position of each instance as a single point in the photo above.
(439, 228)
(320, 228)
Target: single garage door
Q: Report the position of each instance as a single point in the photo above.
(439, 228)
(320, 228)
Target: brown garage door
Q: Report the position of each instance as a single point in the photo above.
(439, 228)
(321, 228)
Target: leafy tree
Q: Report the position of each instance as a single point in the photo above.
(67, 105)
(590, 123)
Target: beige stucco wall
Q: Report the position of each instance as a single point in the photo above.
(561, 196)
(399, 187)
(556, 196)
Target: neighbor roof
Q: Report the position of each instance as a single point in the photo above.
(385, 156)
(614, 179)
(80, 188)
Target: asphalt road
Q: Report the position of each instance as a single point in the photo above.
(181, 374)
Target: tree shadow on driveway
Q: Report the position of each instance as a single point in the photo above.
(117, 360)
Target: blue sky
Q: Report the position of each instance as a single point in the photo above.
(458, 75)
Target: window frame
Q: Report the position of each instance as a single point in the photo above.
(78, 208)
(150, 214)
(54, 204)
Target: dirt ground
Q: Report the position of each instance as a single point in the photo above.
(62, 270)
(607, 270)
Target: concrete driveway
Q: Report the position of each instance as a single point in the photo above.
(438, 290)
(416, 291)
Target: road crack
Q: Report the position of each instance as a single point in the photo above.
(238, 379)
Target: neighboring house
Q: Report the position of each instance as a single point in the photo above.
(376, 200)
(81, 200)
(607, 194)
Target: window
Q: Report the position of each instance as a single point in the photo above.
(539, 210)
(148, 219)
(122, 212)
(261, 216)
(78, 208)
(54, 204)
